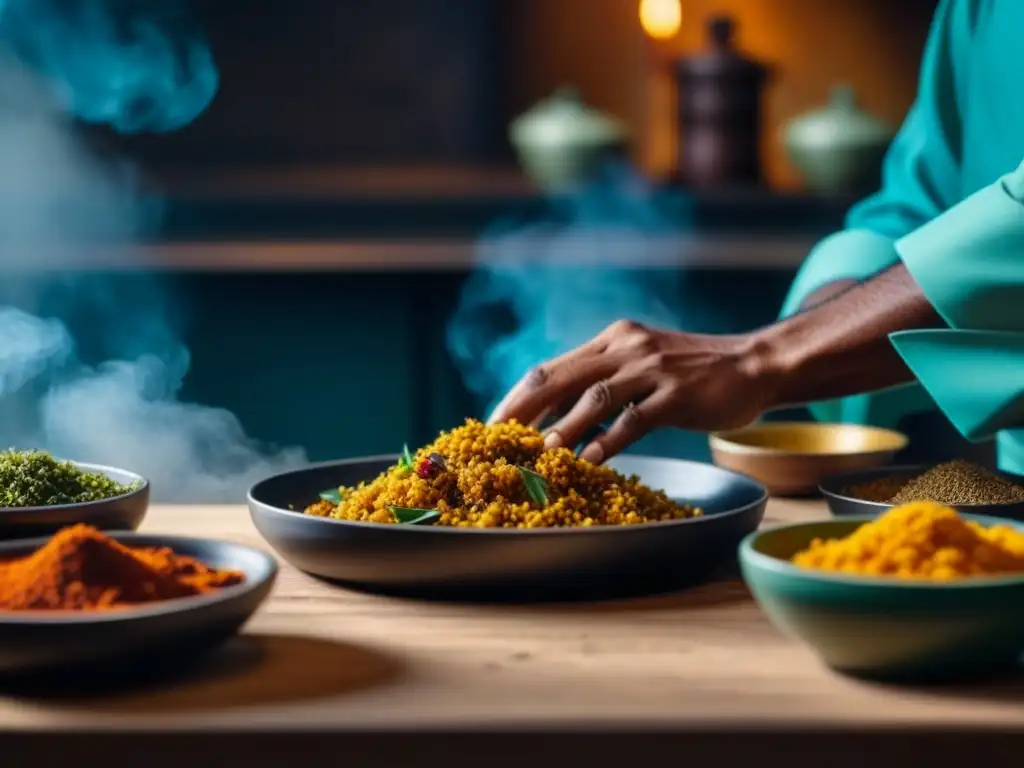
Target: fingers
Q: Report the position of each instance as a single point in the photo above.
(635, 421)
(600, 402)
(565, 378)
(547, 386)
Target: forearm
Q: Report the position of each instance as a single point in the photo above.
(840, 346)
(826, 293)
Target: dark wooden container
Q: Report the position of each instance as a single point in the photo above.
(720, 107)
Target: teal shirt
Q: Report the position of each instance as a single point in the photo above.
(951, 208)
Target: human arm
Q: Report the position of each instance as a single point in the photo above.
(834, 340)
(965, 267)
(922, 179)
(646, 377)
(841, 346)
(962, 272)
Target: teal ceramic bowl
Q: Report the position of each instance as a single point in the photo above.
(885, 629)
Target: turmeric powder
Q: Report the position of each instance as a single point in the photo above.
(920, 540)
(81, 568)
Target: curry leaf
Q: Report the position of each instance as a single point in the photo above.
(334, 496)
(407, 516)
(406, 458)
(536, 486)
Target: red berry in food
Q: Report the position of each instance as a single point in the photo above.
(431, 466)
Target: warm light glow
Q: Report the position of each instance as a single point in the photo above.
(661, 19)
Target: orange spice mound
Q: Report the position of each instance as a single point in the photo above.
(920, 540)
(81, 568)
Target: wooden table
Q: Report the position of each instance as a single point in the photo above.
(703, 666)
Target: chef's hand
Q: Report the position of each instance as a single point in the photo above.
(646, 378)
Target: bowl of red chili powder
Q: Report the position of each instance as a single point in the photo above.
(84, 598)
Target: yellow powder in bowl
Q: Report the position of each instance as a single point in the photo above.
(920, 540)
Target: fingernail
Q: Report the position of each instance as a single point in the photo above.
(593, 453)
(552, 440)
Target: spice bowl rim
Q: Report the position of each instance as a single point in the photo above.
(103, 469)
(750, 555)
(831, 488)
(256, 578)
(722, 441)
(445, 530)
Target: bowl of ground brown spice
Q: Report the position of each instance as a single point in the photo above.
(83, 598)
(959, 484)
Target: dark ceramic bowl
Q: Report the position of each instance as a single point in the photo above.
(884, 629)
(72, 642)
(119, 513)
(512, 564)
(835, 490)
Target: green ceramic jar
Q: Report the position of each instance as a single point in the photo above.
(561, 142)
(881, 628)
(839, 148)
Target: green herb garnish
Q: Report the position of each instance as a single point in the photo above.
(407, 516)
(36, 479)
(536, 486)
(334, 496)
(406, 461)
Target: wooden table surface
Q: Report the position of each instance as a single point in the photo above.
(317, 657)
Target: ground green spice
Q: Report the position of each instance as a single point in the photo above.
(956, 483)
(36, 479)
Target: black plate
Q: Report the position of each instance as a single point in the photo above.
(512, 564)
(119, 513)
(834, 490)
(72, 642)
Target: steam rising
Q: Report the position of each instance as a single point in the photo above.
(138, 65)
(137, 69)
(563, 278)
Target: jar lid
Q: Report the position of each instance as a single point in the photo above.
(563, 118)
(721, 58)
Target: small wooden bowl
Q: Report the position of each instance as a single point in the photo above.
(792, 458)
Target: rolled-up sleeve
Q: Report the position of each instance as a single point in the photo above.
(969, 263)
(921, 180)
(975, 377)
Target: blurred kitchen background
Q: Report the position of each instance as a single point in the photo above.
(355, 257)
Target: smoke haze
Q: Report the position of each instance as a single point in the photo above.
(564, 276)
(136, 66)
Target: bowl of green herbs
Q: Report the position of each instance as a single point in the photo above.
(40, 494)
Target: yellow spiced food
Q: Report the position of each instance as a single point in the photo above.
(920, 540)
(501, 476)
